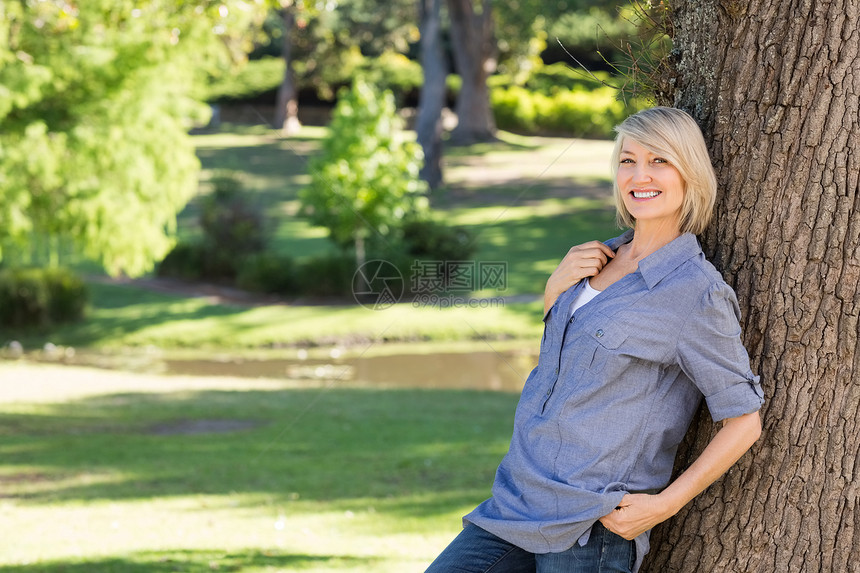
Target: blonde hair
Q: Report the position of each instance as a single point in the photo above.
(675, 136)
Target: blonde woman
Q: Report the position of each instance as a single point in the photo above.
(637, 331)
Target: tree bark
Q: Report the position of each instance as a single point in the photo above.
(429, 122)
(473, 38)
(287, 106)
(775, 86)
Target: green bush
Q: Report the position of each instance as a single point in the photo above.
(185, 261)
(268, 273)
(392, 71)
(251, 80)
(326, 275)
(434, 240)
(40, 297)
(234, 228)
(579, 112)
(562, 77)
(513, 108)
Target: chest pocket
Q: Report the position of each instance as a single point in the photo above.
(609, 345)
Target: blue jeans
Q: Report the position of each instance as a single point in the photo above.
(479, 551)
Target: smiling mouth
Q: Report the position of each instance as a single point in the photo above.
(644, 194)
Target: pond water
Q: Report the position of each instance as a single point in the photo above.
(479, 370)
(470, 366)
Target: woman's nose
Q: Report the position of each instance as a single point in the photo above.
(641, 173)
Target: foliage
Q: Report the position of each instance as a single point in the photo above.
(332, 39)
(366, 179)
(268, 273)
(257, 78)
(328, 275)
(187, 261)
(40, 297)
(234, 227)
(578, 112)
(434, 239)
(96, 99)
(232, 223)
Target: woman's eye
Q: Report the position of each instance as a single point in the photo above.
(660, 160)
(627, 160)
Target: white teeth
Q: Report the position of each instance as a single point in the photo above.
(645, 194)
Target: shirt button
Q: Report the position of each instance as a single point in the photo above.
(599, 333)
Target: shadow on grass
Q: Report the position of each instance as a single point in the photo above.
(414, 451)
(188, 561)
(128, 309)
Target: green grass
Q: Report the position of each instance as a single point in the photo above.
(108, 475)
(127, 316)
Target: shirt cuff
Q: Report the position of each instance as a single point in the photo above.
(736, 400)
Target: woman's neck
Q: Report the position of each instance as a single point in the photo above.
(648, 238)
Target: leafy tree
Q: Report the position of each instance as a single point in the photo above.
(325, 43)
(96, 99)
(366, 179)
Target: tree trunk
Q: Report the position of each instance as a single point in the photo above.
(429, 123)
(474, 47)
(287, 106)
(776, 85)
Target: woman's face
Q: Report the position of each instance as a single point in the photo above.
(652, 188)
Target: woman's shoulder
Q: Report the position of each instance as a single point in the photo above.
(698, 278)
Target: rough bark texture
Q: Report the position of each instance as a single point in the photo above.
(287, 106)
(775, 85)
(473, 37)
(429, 123)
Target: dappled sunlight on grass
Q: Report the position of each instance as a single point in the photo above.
(320, 479)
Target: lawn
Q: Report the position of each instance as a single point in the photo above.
(120, 472)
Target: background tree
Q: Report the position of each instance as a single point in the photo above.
(96, 102)
(774, 85)
(365, 181)
(326, 43)
(474, 49)
(287, 104)
(434, 63)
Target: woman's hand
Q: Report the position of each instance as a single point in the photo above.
(581, 261)
(639, 512)
(636, 514)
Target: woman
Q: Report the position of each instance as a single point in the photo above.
(637, 331)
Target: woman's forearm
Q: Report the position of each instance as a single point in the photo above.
(731, 442)
(638, 513)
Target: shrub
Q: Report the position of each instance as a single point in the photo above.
(234, 228)
(67, 295)
(185, 262)
(326, 275)
(40, 297)
(513, 108)
(578, 112)
(268, 273)
(434, 240)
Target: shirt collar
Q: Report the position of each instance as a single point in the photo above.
(664, 260)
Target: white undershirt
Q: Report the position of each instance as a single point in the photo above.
(584, 296)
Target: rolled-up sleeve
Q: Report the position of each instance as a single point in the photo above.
(711, 354)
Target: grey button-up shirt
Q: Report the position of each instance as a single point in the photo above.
(613, 394)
